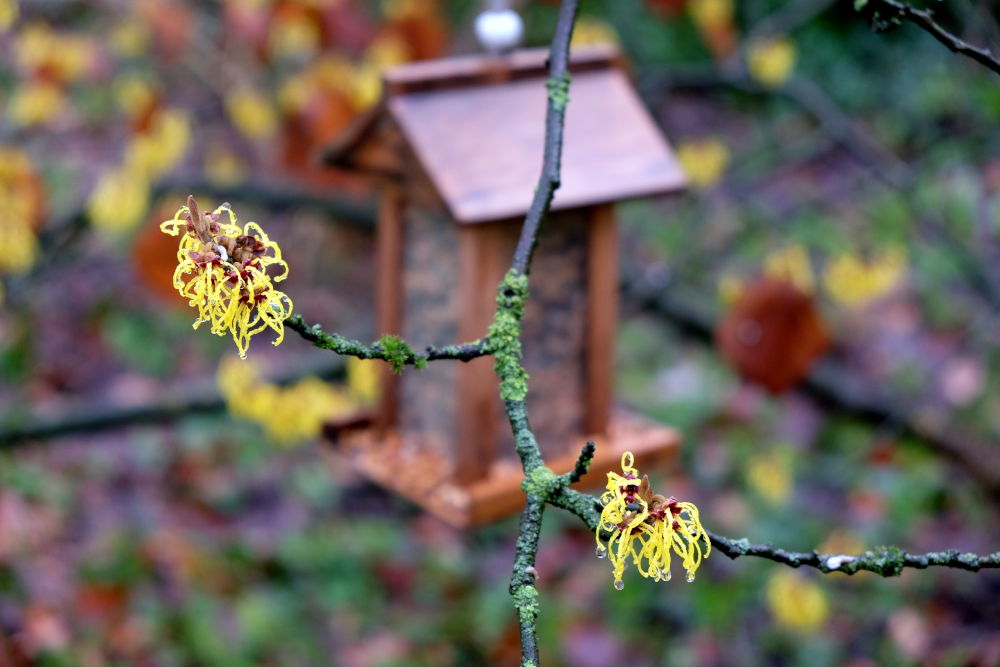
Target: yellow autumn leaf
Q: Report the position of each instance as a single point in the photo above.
(770, 477)
(770, 61)
(729, 287)
(134, 93)
(20, 209)
(387, 50)
(288, 415)
(853, 280)
(592, 30)
(796, 602)
(223, 167)
(703, 160)
(9, 11)
(710, 14)
(252, 113)
(791, 264)
(35, 103)
(293, 36)
(65, 56)
(157, 150)
(129, 38)
(363, 379)
(119, 201)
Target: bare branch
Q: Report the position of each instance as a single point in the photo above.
(548, 182)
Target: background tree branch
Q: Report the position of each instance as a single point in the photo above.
(895, 12)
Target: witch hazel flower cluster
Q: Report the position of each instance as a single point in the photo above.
(647, 528)
(222, 270)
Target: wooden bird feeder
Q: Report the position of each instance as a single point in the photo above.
(455, 147)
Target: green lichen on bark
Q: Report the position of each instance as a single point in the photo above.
(886, 561)
(397, 352)
(526, 602)
(558, 88)
(540, 481)
(505, 336)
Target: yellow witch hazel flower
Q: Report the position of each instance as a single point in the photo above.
(222, 271)
(648, 528)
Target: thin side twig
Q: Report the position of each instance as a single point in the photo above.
(924, 19)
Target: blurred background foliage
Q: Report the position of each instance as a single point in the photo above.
(141, 524)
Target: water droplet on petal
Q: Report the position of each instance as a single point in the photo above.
(619, 584)
(601, 552)
(690, 576)
(665, 575)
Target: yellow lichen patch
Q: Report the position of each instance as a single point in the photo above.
(853, 280)
(646, 528)
(770, 61)
(222, 270)
(796, 603)
(703, 160)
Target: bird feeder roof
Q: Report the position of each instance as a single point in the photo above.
(476, 126)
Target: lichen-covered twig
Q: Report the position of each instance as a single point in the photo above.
(582, 464)
(505, 340)
(885, 561)
(391, 349)
(886, 14)
(522, 582)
